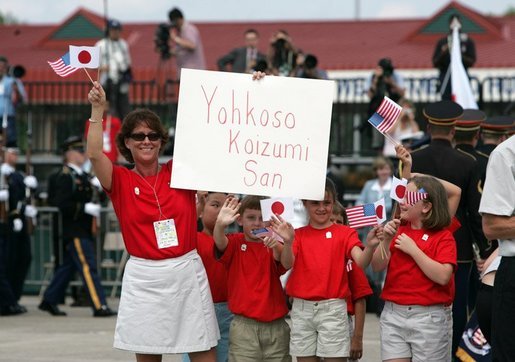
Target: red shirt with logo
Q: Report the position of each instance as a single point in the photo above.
(406, 283)
(319, 271)
(216, 271)
(137, 209)
(253, 286)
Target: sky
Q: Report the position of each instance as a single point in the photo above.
(53, 11)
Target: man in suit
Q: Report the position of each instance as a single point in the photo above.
(441, 160)
(246, 58)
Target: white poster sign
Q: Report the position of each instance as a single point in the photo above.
(268, 137)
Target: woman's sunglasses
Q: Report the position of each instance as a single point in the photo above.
(141, 136)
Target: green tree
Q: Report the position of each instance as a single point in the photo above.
(8, 18)
(510, 11)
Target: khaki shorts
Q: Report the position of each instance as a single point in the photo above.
(251, 340)
(422, 333)
(319, 328)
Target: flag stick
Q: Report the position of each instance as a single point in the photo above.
(390, 138)
(98, 74)
(89, 76)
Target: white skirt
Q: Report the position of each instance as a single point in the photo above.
(166, 307)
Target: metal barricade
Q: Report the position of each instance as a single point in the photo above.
(47, 251)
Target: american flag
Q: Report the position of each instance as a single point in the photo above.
(62, 66)
(413, 197)
(385, 116)
(361, 216)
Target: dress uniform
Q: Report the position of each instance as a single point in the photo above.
(440, 159)
(70, 190)
(494, 130)
(18, 243)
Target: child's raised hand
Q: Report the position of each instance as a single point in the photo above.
(270, 242)
(373, 236)
(403, 155)
(282, 228)
(229, 212)
(391, 227)
(405, 244)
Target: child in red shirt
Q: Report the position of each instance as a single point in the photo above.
(319, 283)
(255, 295)
(359, 290)
(416, 322)
(208, 209)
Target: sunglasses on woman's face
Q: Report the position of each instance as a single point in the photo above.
(141, 136)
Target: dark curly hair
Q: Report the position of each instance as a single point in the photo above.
(131, 121)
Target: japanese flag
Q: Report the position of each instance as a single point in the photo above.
(281, 206)
(84, 57)
(380, 207)
(398, 189)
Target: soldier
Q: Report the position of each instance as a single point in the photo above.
(494, 130)
(70, 190)
(439, 159)
(17, 237)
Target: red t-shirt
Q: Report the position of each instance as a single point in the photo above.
(111, 126)
(320, 259)
(136, 208)
(358, 285)
(406, 283)
(253, 286)
(216, 271)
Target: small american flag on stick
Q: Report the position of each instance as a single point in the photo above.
(385, 116)
(361, 216)
(62, 66)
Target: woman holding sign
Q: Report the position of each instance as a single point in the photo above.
(165, 305)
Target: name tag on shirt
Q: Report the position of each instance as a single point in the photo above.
(166, 234)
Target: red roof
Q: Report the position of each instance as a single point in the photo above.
(339, 45)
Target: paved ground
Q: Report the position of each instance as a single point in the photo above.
(78, 337)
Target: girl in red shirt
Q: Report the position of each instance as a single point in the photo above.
(416, 321)
(319, 282)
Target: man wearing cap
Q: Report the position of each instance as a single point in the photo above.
(115, 69)
(494, 131)
(498, 210)
(15, 228)
(441, 160)
(70, 190)
(12, 93)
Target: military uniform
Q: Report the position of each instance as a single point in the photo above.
(498, 127)
(18, 251)
(441, 160)
(70, 190)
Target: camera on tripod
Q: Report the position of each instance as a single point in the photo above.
(162, 40)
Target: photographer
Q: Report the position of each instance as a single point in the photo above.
(12, 93)
(115, 69)
(282, 55)
(187, 44)
(385, 81)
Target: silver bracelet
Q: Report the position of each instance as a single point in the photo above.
(93, 121)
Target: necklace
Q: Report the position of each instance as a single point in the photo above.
(153, 188)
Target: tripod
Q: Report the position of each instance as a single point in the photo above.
(163, 80)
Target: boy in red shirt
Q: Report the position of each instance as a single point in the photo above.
(258, 330)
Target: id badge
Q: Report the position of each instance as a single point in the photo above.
(166, 234)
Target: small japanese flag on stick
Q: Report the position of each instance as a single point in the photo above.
(398, 190)
(84, 57)
(380, 210)
(281, 206)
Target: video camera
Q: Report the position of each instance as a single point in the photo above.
(161, 40)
